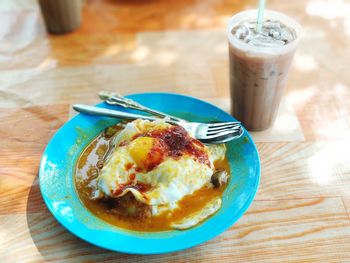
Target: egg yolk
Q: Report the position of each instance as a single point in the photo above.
(147, 152)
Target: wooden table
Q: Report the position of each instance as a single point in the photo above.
(302, 210)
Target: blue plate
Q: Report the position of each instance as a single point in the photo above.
(58, 190)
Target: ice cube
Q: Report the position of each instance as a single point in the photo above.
(272, 24)
(274, 34)
(287, 35)
(262, 41)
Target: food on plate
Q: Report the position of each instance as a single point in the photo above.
(157, 177)
(219, 178)
(198, 216)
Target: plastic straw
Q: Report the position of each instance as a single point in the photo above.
(259, 20)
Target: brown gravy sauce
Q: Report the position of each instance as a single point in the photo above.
(88, 167)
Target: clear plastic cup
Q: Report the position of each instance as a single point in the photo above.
(258, 74)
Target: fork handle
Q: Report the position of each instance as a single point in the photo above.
(116, 99)
(91, 110)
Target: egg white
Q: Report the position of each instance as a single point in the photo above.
(170, 181)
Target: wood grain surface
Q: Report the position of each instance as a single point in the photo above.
(301, 212)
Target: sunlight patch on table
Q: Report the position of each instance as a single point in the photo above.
(304, 62)
(330, 164)
(330, 9)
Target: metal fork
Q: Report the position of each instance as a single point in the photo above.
(204, 132)
(211, 133)
(112, 98)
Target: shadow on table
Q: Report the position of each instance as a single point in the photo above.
(54, 242)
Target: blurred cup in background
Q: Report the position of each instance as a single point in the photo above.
(61, 16)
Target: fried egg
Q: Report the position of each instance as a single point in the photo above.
(158, 163)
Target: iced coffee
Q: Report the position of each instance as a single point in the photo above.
(259, 64)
